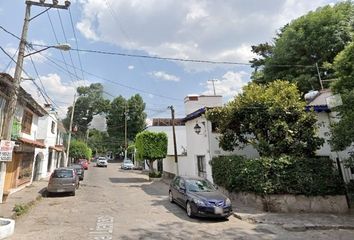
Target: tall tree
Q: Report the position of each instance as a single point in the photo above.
(313, 38)
(90, 102)
(343, 131)
(269, 117)
(120, 108)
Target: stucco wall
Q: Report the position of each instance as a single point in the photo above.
(291, 203)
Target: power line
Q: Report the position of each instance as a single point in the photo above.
(57, 41)
(66, 40)
(77, 45)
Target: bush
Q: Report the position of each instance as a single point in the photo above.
(155, 174)
(310, 176)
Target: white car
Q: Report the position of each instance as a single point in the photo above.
(127, 164)
(102, 162)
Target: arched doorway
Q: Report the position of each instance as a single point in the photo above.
(37, 166)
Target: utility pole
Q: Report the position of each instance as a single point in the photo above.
(174, 136)
(70, 130)
(319, 76)
(125, 132)
(213, 81)
(11, 106)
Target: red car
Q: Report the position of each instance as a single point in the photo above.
(84, 163)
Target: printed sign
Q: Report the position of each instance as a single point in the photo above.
(6, 148)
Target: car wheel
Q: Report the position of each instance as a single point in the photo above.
(170, 197)
(73, 193)
(189, 210)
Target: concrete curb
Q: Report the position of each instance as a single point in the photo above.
(295, 227)
(7, 227)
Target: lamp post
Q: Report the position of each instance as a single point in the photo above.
(13, 93)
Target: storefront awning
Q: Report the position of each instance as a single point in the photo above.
(32, 142)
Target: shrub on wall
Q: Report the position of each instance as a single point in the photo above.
(309, 176)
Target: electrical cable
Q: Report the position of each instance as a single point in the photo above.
(57, 41)
(77, 45)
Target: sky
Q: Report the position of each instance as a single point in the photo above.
(211, 30)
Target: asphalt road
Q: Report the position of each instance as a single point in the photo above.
(116, 204)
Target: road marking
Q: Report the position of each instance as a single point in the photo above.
(103, 229)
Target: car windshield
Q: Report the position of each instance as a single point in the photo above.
(128, 162)
(199, 185)
(63, 174)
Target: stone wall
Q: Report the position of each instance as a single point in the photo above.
(291, 203)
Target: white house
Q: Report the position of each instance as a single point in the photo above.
(202, 140)
(169, 166)
(317, 101)
(51, 134)
(25, 129)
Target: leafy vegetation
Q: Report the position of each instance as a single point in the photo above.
(134, 108)
(343, 131)
(151, 146)
(269, 117)
(79, 149)
(285, 174)
(316, 37)
(90, 102)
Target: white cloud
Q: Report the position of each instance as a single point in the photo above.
(131, 67)
(56, 89)
(195, 29)
(229, 85)
(164, 76)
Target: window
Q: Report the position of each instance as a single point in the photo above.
(214, 127)
(27, 121)
(52, 129)
(201, 166)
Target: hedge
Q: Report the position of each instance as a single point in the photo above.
(284, 175)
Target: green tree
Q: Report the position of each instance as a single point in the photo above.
(270, 117)
(134, 109)
(151, 146)
(343, 131)
(316, 37)
(90, 102)
(79, 149)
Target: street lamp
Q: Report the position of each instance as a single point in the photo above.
(197, 128)
(63, 47)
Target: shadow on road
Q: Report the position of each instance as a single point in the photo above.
(178, 230)
(128, 180)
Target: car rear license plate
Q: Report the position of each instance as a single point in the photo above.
(60, 190)
(218, 210)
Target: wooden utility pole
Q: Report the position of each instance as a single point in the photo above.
(70, 131)
(125, 132)
(213, 81)
(174, 136)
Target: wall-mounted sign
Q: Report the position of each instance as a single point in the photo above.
(6, 148)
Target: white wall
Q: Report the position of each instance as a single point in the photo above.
(323, 123)
(206, 144)
(203, 101)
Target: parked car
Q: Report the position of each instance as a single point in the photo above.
(199, 197)
(127, 164)
(84, 163)
(102, 162)
(63, 180)
(79, 170)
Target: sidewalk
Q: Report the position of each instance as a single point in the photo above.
(295, 221)
(28, 195)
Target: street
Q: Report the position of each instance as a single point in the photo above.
(116, 204)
